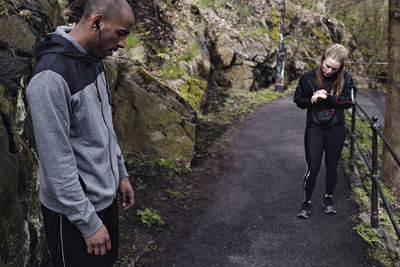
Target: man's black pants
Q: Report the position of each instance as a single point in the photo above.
(67, 245)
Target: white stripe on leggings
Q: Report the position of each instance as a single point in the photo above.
(305, 177)
(62, 241)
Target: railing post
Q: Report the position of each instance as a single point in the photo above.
(374, 174)
(352, 137)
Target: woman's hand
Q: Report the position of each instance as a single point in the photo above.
(319, 95)
(321, 91)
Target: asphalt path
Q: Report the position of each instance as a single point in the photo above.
(251, 219)
(373, 103)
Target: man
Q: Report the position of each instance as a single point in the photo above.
(81, 164)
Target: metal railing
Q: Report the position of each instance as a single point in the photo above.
(373, 167)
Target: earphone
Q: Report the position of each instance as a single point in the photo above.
(97, 23)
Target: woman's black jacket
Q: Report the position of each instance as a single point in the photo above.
(328, 112)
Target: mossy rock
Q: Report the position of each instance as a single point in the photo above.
(52, 10)
(176, 145)
(241, 77)
(149, 123)
(12, 68)
(190, 129)
(13, 252)
(6, 106)
(17, 34)
(192, 90)
(322, 35)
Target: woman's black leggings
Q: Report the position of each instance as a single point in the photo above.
(316, 141)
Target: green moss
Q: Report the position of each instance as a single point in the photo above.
(290, 12)
(321, 35)
(3, 7)
(192, 91)
(276, 28)
(176, 145)
(190, 129)
(148, 77)
(6, 107)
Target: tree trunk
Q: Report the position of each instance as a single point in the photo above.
(390, 171)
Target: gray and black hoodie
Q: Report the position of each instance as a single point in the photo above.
(80, 160)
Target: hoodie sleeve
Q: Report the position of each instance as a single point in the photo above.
(346, 98)
(49, 99)
(303, 93)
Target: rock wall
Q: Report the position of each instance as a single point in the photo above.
(151, 118)
(238, 40)
(22, 25)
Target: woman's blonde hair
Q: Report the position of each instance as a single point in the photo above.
(339, 53)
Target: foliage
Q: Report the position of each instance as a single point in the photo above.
(205, 3)
(175, 194)
(257, 34)
(150, 218)
(364, 134)
(174, 167)
(377, 250)
(132, 41)
(171, 71)
(362, 195)
(243, 10)
(367, 21)
(368, 235)
(359, 196)
(193, 51)
(345, 155)
(390, 197)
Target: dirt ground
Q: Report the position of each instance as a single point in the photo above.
(176, 194)
(151, 246)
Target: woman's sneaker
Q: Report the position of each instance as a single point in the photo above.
(305, 210)
(328, 205)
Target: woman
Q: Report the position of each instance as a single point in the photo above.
(325, 92)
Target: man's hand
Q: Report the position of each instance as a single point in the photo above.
(99, 242)
(126, 192)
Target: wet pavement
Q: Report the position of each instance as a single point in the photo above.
(251, 220)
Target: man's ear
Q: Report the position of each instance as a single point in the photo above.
(97, 21)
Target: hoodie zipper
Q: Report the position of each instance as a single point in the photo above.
(105, 123)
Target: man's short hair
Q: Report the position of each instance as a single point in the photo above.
(108, 8)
